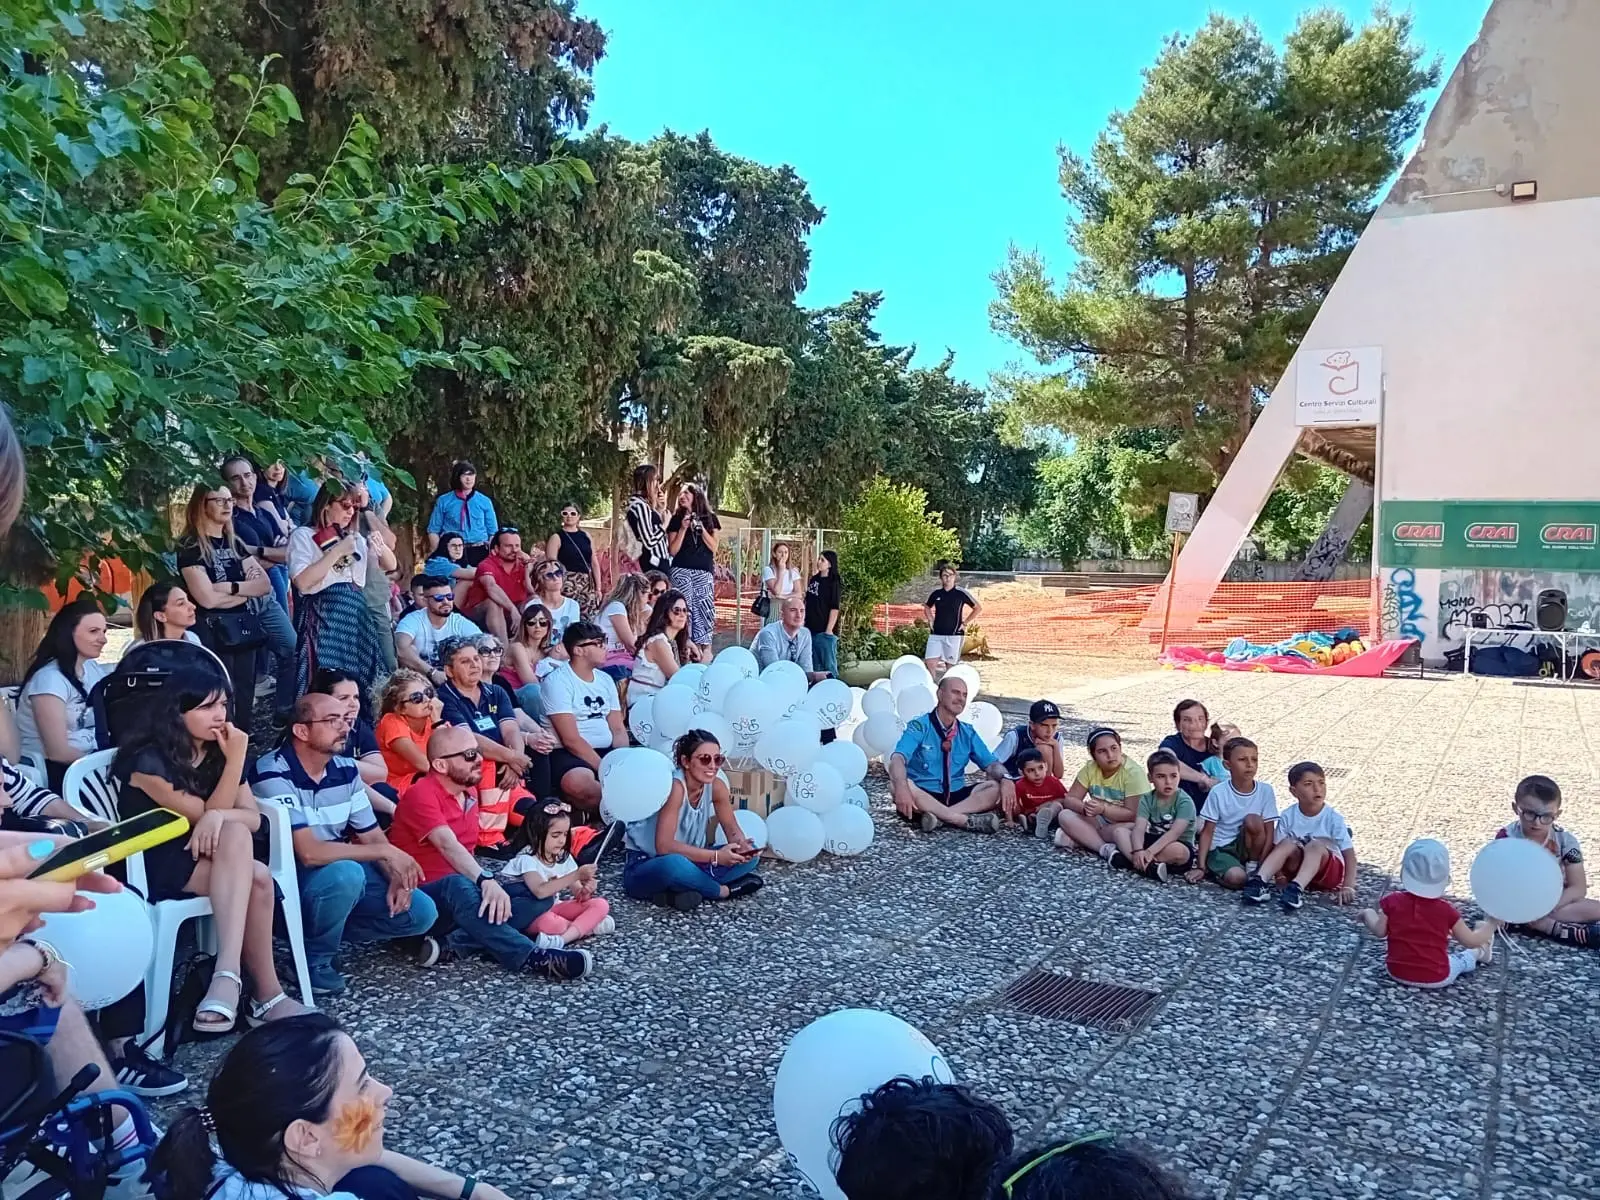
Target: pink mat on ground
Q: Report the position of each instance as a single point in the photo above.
(1373, 661)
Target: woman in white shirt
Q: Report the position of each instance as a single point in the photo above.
(779, 580)
(549, 577)
(664, 646)
(328, 563)
(55, 720)
(622, 619)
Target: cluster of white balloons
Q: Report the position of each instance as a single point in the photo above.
(774, 717)
(880, 713)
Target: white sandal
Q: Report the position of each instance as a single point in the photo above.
(257, 1015)
(228, 1013)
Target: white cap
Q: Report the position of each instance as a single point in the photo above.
(1425, 869)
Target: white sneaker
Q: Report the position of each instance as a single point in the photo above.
(608, 925)
(1107, 849)
(550, 941)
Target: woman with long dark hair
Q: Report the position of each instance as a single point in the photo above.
(328, 563)
(54, 717)
(296, 1115)
(646, 541)
(692, 538)
(822, 613)
(449, 561)
(663, 648)
(571, 547)
(464, 510)
(183, 754)
(165, 613)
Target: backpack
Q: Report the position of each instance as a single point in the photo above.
(191, 980)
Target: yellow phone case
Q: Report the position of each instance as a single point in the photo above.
(174, 827)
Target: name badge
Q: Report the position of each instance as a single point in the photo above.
(482, 723)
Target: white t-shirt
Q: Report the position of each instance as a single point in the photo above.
(615, 609)
(786, 583)
(526, 864)
(561, 616)
(1227, 809)
(426, 639)
(1294, 825)
(352, 568)
(49, 681)
(564, 692)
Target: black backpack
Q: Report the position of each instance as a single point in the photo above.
(122, 699)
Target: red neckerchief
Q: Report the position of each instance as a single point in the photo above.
(463, 497)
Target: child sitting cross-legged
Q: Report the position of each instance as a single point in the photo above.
(1105, 794)
(547, 870)
(1161, 838)
(1419, 923)
(1039, 794)
(1314, 847)
(1576, 917)
(1236, 821)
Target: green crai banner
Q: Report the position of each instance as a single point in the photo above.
(1550, 535)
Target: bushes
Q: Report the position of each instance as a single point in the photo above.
(890, 537)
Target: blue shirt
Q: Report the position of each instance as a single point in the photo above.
(473, 518)
(377, 490)
(921, 745)
(332, 807)
(300, 491)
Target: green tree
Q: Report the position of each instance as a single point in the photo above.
(156, 313)
(1209, 222)
(1083, 507)
(890, 538)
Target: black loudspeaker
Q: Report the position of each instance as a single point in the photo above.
(1550, 610)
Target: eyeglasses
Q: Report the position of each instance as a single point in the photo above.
(710, 760)
(1016, 1176)
(228, 500)
(469, 756)
(555, 806)
(341, 719)
(1537, 817)
(419, 697)
(591, 642)
(447, 598)
(678, 610)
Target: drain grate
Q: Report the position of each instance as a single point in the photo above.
(1082, 1001)
(1335, 772)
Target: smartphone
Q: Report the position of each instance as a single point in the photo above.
(122, 840)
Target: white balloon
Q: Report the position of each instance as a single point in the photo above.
(794, 833)
(881, 685)
(751, 709)
(877, 700)
(662, 744)
(830, 700)
(847, 758)
(714, 684)
(787, 681)
(637, 786)
(856, 795)
(882, 733)
(859, 737)
(809, 719)
(610, 762)
(688, 677)
(751, 823)
(903, 660)
(914, 701)
(741, 657)
(908, 674)
(718, 727)
(818, 788)
(789, 746)
(857, 696)
(1516, 881)
(968, 675)
(986, 719)
(672, 712)
(642, 719)
(108, 947)
(826, 1069)
(846, 830)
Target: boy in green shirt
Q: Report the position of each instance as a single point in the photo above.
(1161, 838)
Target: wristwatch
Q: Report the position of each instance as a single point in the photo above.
(486, 877)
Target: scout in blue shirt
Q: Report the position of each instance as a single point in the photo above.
(466, 511)
(927, 771)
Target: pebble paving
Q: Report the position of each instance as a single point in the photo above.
(1279, 1062)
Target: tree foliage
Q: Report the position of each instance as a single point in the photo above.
(1083, 508)
(1210, 220)
(890, 538)
(156, 312)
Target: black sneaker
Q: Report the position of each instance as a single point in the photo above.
(560, 964)
(1157, 871)
(1292, 896)
(142, 1075)
(683, 900)
(1256, 890)
(1119, 861)
(746, 886)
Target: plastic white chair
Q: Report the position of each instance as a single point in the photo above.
(88, 785)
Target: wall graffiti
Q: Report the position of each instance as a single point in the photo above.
(1506, 601)
(1408, 603)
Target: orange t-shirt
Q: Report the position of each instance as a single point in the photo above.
(391, 728)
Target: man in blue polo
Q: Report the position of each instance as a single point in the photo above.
(354, 886)
(927, 771)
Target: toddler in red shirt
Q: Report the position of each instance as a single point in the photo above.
(1419, 923)
(1037, 789)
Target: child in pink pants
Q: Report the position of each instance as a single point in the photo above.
(549, 870)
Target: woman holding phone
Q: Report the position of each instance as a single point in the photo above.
(692, 538)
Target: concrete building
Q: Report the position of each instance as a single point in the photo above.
(1480, 297)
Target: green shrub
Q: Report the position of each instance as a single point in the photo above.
(890, 537)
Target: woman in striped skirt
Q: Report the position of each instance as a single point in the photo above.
(692, 539)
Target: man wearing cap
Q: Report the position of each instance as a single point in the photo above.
(1042, 733)
(927, 771)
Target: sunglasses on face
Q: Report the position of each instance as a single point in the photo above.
(556, 574)
(447, 598)
(571, 512)
(678, 610)
(591, 642)
(418, 697)
(657, 593)
(468, 756)
(710, 760)
(538, 620)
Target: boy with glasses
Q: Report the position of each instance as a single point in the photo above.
(580, 702)
(418, 634)
(1575, 918)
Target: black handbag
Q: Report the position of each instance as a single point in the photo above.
(762, 604)
(235, 631)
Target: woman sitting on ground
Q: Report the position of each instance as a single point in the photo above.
(186, 756)
(1191, 746)
(55, 720)
(449, 561)
(165, 613)
(408, 712)
(529, 659)
(296, 1116)
(670, 857)
(663, 647)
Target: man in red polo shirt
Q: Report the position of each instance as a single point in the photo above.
(435, 821)
(503, 585)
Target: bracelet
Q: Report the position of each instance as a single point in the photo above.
(49, 954)
(468, 1183)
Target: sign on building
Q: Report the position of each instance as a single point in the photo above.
(1529, 535)
(1338, 387)
(1183, 508)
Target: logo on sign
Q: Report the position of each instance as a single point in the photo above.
(1503, 533)
(1419, 533)
(1560, 535)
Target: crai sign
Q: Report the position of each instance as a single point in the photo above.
(1528, 535)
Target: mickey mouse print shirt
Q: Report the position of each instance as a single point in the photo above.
(588, 700)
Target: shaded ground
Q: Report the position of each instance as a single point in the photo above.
(1280, 1061)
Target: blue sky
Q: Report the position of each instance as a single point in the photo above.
(927, 129)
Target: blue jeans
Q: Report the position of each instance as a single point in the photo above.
(348, 901)
(825, 653)
(279, 574)
(644, 876)
(280, 645)
(458, 899)
(531, 701)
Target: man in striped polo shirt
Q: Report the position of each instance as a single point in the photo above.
(354, 885)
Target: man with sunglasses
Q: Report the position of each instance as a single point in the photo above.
(503, 585)
(580, 702)
(418, 634)
(436, 823)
